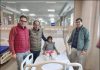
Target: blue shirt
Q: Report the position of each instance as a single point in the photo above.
(75, 39)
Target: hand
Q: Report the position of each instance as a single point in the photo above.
(43, 53)
(83, 53)
(58, 53)
(14, 56)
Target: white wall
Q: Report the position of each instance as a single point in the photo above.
(90, 14)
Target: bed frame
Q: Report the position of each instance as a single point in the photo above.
(27, 64)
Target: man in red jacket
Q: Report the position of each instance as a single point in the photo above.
(19, 41)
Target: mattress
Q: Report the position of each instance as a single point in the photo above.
(62, 58)
(3, 49)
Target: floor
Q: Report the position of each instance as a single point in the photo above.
(10, 65)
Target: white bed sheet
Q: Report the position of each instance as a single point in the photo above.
(60, 58)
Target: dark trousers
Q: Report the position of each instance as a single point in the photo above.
(35, 55)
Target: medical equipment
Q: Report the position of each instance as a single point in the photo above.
(5, 53)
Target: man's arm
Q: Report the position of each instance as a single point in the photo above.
(44, 47)
(86, 40)
(11, 40)
(70, 38)
(29, 38)
(43, 37)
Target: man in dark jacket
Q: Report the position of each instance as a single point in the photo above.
(79, 42)
(36, 33)
(19, 41)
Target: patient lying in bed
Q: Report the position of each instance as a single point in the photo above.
(49, 48)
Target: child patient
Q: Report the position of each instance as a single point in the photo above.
(49, 47)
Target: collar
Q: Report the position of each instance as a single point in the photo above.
(35, 29)
(79, 27)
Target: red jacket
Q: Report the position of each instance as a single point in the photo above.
(19, 39)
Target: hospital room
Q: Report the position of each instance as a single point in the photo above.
(49, 35)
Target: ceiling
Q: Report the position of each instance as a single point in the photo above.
(38, 7)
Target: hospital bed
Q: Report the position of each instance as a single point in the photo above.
(5, 53)
(61, 62)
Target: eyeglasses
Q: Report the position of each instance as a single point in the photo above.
(77, 22)
(23, 21)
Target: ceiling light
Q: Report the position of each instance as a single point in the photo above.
(24, 9)
(32, 15)
(52, 20)
(51, 15)
(40, 19)
(46, 23)
(50, 2)
(11, 2)
(51, 10)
